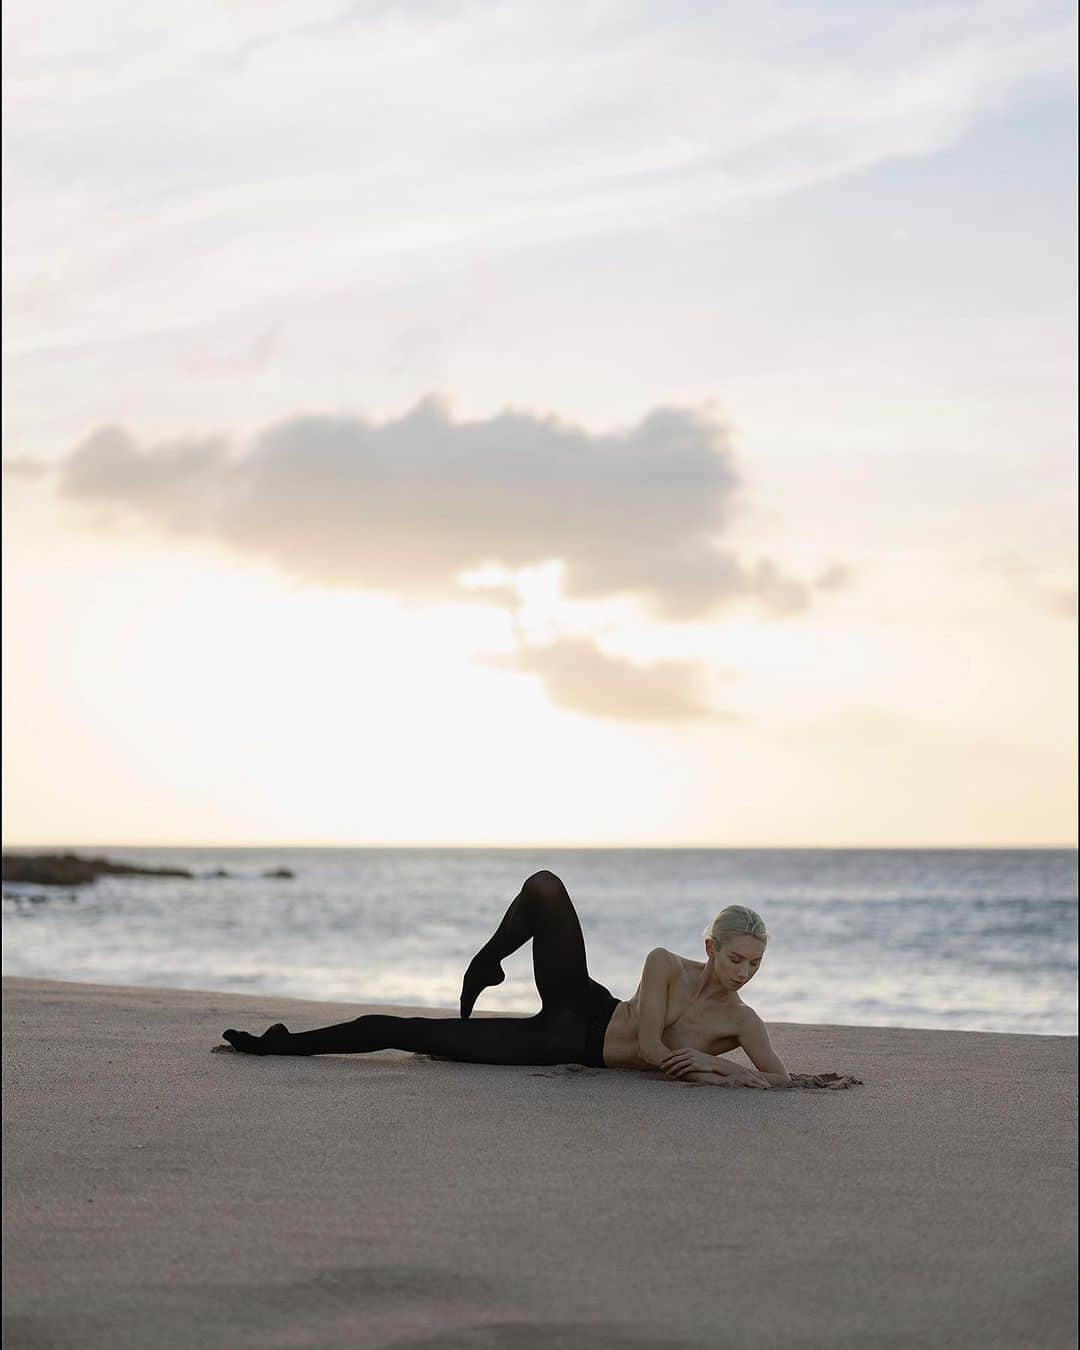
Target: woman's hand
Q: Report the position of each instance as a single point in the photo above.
(684, 1063)
(681, 1062)
(737, 1075)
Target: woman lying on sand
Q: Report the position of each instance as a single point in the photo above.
(692, 1006)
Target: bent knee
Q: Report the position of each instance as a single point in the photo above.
(545, 883)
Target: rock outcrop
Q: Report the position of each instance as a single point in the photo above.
(69, 869)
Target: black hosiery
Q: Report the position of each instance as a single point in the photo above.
(543, 911)
(484, 971)
(487, 1040)
(266, 1044)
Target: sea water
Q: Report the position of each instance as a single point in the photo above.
(981, 940)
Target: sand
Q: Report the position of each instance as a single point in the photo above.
(159, 1195)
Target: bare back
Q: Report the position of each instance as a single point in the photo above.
(700, 1024)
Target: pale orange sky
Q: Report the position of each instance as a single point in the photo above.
(777, 533)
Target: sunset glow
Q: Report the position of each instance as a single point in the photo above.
(564, 475)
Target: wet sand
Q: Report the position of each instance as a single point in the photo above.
(159, 1195)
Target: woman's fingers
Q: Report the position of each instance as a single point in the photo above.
(750, 1078)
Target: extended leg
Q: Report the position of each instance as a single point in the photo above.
(488, 1040)
(543, 911)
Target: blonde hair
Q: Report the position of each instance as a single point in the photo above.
(736, 921)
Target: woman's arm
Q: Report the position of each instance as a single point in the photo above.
(695, 1066)
(754, 1039)
(652, 1006)
(746, 1078)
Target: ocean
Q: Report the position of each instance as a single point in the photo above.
(966, 939)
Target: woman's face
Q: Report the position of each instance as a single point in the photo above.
(737, 960)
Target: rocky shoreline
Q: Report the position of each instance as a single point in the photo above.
(71, 869)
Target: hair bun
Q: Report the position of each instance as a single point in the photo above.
(736, 921)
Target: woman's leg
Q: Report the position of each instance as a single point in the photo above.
(543, 911)
(489, 1040)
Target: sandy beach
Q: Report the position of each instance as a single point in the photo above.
(158, 1194)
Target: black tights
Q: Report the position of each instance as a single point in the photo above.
(543, 911)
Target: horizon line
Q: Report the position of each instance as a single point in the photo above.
(553, 847)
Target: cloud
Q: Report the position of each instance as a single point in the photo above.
(177, 486)
(834, 578)
(1059, 600)
(578, 676)
(1007, 565)
(250, 357)
(1061, 603)
(405, 506)
(219, 156)
(25, 469)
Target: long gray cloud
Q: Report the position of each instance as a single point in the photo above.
(406, 505)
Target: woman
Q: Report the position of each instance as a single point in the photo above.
(682, 1016)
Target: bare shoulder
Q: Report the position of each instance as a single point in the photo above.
(686, 964)
(746, 1019)
(661, 956)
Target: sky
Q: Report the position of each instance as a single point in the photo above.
(540, 424)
